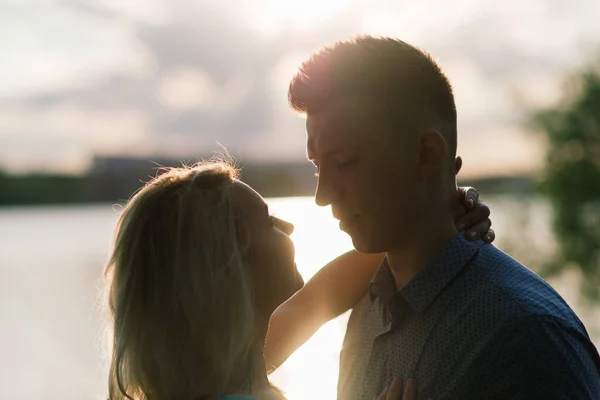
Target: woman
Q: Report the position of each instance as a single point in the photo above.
(198, 268)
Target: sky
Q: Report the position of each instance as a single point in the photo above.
(182, 78)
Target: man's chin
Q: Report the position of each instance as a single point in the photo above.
(360, 246)
(363, 246)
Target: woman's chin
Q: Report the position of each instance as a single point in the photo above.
(297, 284)
(299, 279)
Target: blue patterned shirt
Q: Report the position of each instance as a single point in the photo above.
(473, 324)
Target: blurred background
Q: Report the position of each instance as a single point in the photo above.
(96, 94)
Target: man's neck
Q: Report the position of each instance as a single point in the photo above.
(412, 255)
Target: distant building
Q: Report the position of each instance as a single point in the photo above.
(117, 178)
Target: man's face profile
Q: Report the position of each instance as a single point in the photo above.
(366, 174)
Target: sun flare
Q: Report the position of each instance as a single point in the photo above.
(275, 13)
(312, 371)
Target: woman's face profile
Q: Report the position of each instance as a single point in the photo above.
(271, 250)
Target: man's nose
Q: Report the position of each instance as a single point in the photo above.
(326, 191)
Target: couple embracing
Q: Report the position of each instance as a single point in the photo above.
(206, 298)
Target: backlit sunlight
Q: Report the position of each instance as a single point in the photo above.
(272, 14)
(312, 372)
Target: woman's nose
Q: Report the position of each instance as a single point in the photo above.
(285, 227)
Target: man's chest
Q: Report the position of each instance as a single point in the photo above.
(375, 352)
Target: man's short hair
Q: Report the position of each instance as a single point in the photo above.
(399, 85)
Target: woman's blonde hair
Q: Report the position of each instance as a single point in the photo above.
(179, 290)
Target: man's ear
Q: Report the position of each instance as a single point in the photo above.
(432, 151)
(458, 165)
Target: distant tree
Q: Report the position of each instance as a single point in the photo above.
(572, 179)
(3, 187)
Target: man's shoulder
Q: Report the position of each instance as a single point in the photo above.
(511, 289)
(514, 325)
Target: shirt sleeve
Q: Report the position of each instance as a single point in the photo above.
(543, 357)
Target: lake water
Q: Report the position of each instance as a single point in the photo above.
(51, 262)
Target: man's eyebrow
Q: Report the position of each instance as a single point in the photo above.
(333, 152)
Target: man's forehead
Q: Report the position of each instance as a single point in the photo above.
(338, 122)
(324, 133)
(336, 113)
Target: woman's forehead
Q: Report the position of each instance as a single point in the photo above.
(247, 199)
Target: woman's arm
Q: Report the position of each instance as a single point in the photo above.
(333, 290)
(339, 285)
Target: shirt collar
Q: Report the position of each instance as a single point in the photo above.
(422, 290)
(382, 284)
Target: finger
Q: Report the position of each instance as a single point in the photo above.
(471, 197)
(479, 230)
(489, 236)
(410, 390)
(478, 214)
(468, 196)
(383, 396)
(458, 165)
(394, 392)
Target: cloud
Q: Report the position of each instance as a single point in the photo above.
(204, 75)
(208, 81)
(91, 7)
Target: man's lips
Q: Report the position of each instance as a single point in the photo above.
(344, 217)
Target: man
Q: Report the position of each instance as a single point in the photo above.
(462, 318)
